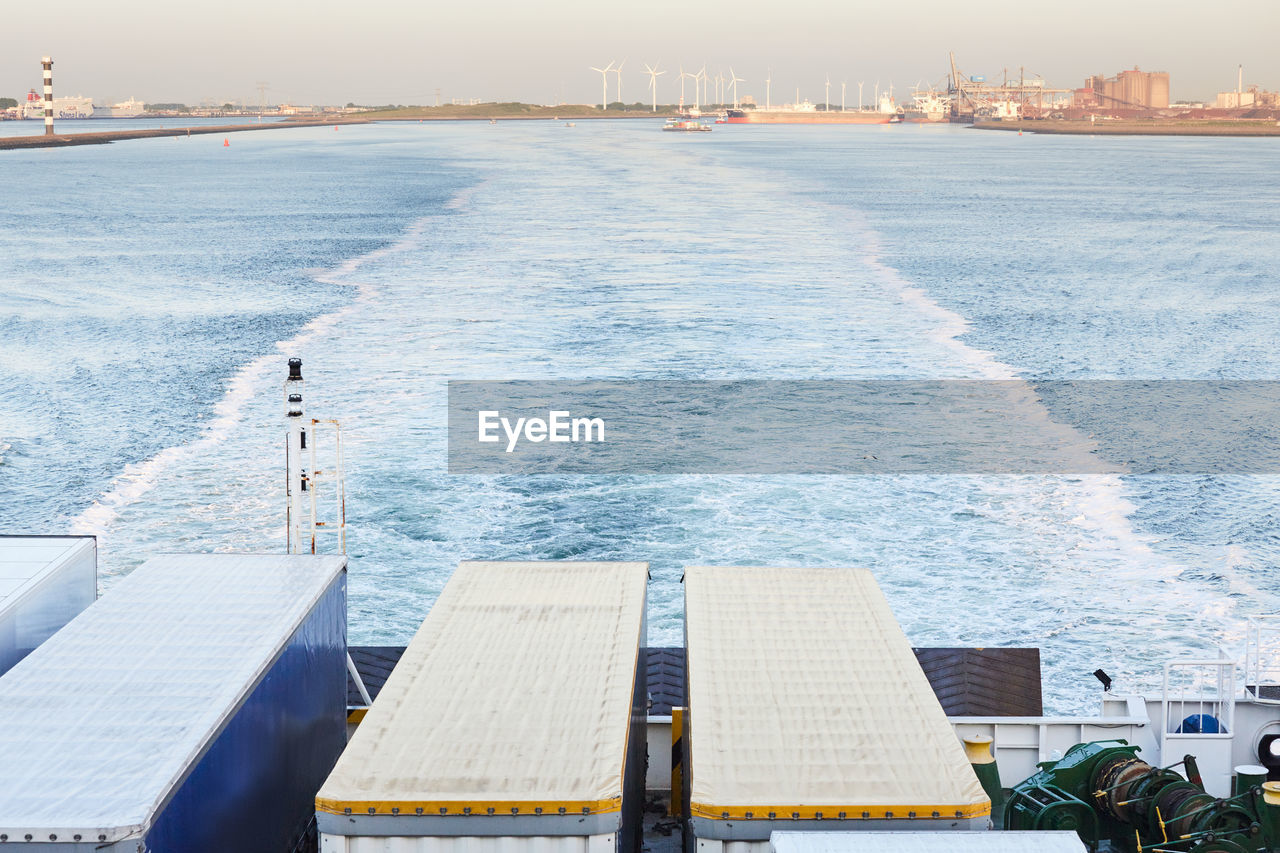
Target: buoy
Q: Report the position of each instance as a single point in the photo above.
(335, 127)
(226, 143)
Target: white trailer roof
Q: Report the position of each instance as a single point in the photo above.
(26, 560)
(100, 723)
(806, 701)
(515, 695)
(926, 842)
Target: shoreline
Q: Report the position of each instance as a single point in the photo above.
(104, 137)
(1187, 127)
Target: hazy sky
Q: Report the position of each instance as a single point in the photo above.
(379, 51)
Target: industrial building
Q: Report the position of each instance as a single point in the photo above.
(1247, 98)
(1129, 90)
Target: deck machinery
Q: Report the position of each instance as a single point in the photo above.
(1104, 792)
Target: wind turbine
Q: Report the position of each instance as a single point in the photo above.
(734, 79)
(859, 96)
(842, 84)
(654, 74)
(604, 84)
(768, 90)
(722, 91)
(684, 74)
(618, 71)
(701, 75)
(827, 104)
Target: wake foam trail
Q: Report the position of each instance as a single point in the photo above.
(138, 478)
(1103, 502)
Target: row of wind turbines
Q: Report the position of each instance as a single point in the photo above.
(701, 80)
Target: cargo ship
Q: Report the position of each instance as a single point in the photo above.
(806, 112)
(926, 107)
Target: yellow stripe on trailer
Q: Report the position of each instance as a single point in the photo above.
(863, 812)
(457, 808)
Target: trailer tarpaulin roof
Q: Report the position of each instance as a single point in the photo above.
(515, 697)
(806, 702)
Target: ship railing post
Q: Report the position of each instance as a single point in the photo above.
(313, 483)
(296, 446)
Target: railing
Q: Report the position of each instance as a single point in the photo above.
(1262, 659)
(320, 478)
(1199, 698)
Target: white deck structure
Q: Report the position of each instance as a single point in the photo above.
(45, 581)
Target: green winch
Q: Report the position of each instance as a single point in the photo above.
(1105, 793)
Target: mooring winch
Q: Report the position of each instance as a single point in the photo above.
(1104, 792)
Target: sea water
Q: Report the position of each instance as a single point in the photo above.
(153, 289)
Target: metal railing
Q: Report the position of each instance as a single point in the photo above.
(1262, 659)
(1199, 698)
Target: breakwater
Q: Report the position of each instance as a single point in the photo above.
(106, 136)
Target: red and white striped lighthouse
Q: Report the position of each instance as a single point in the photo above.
(48, 95)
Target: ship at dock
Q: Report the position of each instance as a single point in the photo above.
(78, 107)
(63, 108)
(808, 113)
(927, 106)
(131, 108)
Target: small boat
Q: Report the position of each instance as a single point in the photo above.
(686, 125)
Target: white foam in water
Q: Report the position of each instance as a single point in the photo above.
(611, 253)
(139, 478)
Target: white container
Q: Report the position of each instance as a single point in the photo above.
(196, 707)
(809, 711)
(45, 581)
(926, 842)
(515, 721)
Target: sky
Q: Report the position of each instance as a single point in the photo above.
(402, 51)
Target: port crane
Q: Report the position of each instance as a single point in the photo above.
(973, 96)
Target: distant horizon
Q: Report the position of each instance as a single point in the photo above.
(391, 51)
(629, 96)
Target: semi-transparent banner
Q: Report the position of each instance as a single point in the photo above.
(865, 427)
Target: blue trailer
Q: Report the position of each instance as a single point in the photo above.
(197, 706)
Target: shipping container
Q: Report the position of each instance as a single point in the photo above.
(808, 711)
(196, 707)
(926, 842)
(44, 582)
(514, 721)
